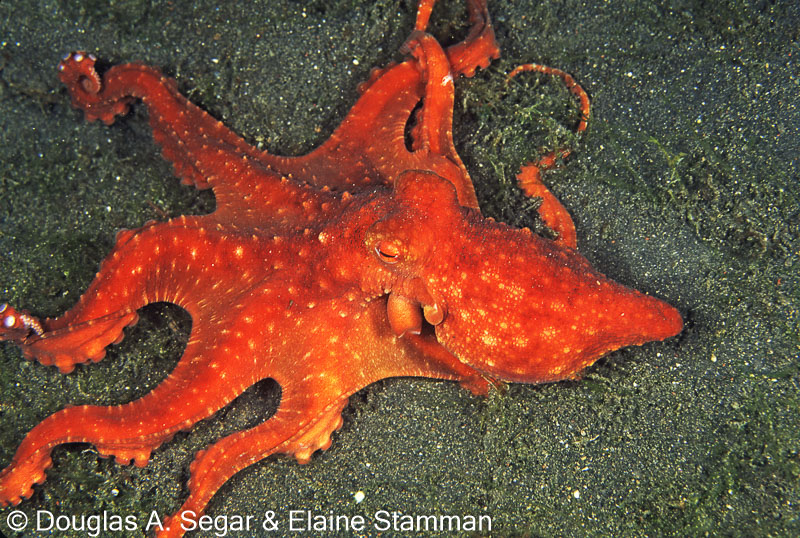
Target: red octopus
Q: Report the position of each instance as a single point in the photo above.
(362, 260)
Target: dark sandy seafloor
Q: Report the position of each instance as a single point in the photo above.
(685, 186)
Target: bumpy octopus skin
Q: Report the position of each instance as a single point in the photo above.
(363, 260)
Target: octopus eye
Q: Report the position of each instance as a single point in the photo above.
(388, 252)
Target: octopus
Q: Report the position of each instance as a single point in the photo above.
(365, 259)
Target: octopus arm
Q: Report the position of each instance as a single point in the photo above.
(190, 261)
(214, 369)
(203, 152)
(352, 160)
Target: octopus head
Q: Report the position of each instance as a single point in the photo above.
(506, 302)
